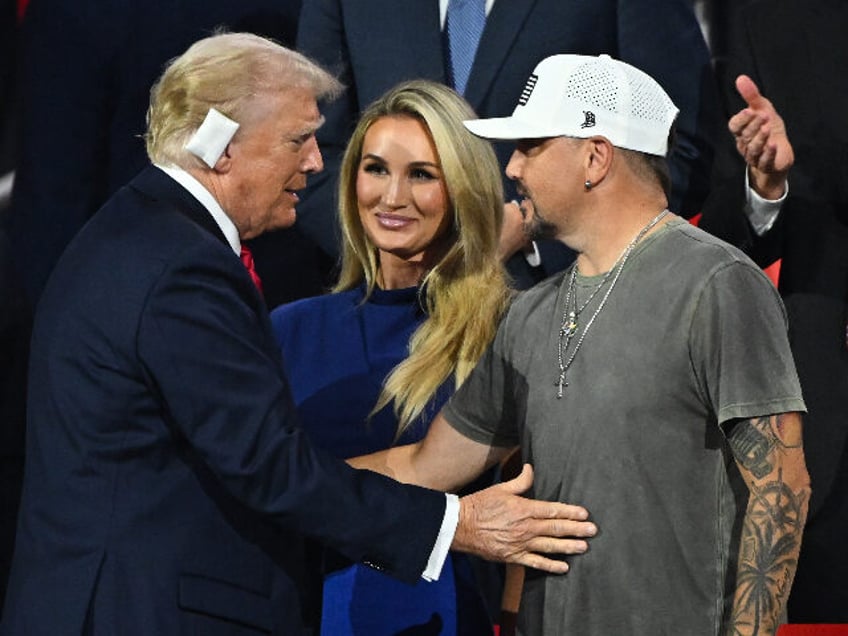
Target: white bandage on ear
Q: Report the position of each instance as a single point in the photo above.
(211, 139)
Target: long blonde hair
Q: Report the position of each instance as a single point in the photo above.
(466, 292)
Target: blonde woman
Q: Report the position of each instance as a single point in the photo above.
(420, 294)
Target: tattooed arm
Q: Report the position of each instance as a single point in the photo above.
(770, 456)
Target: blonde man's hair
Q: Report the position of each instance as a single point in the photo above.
(466, 292)
(230, 72)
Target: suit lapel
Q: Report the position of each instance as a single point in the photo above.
(503, 25)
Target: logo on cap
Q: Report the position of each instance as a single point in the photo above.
(528, 89)
(590, 119)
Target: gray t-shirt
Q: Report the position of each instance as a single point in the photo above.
(692, 335)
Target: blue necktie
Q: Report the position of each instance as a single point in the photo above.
(465, 22)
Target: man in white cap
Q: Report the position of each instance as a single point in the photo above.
(651, 381)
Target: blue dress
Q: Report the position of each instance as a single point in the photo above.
(337, 351)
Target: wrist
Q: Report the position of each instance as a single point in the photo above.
(768, 185)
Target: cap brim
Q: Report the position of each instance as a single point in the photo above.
(506, 128)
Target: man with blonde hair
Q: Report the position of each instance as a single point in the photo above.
(168, 485)
(652, 380)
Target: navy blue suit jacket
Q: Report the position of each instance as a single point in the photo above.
(168, 483)
(374, 44)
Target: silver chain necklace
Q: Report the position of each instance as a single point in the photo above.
(570, 315)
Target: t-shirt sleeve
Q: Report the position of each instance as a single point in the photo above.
(488, 405)
(739, 346)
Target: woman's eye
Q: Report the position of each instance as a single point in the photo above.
(421, 174)
(374, 168)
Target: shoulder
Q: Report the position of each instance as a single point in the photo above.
(686, 243)
(148, 227)
(711, 270)
(148, 244)
(685, 267)
(133, 238)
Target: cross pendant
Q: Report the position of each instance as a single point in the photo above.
(561, 384)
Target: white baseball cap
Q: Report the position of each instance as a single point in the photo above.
(583, 96)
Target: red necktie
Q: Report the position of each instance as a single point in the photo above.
(247, 259)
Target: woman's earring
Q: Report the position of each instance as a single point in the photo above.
(587, 184)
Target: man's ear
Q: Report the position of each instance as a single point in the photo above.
(225, 161)
(598, 159)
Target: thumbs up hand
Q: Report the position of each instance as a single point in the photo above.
(761, 139)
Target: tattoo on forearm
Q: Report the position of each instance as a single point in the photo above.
(768, 555)
(771, 533)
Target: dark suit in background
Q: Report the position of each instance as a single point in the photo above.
(85, 86)
(796, 53)
(168, 484)
(14, 314)
(14, 337)
(374, 44)
(8, 57)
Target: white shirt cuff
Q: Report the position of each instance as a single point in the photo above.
(443, 542)
(762, 213)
